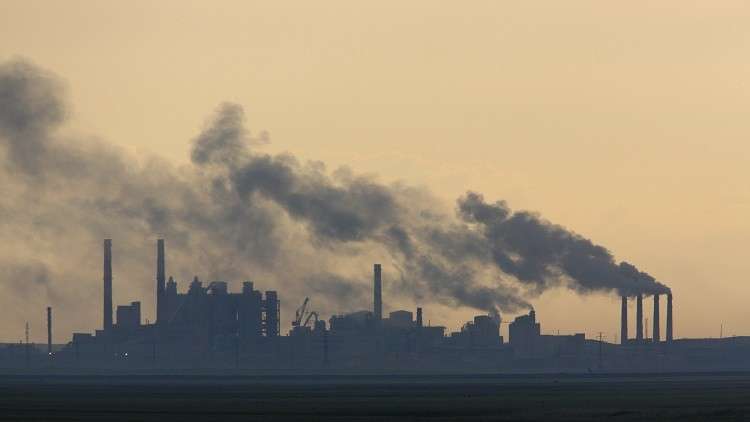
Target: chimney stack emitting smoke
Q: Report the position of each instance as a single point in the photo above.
(670, 328)
(639, 317)
(107, 325)
(377, 294)
(624, 321)
(656, 332)
(49, 331)
(160, 281)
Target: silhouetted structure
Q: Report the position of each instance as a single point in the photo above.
(522, 332)
(208, 327)
(107, 324)
(272, 313)
(529, 344)
(624, 321)
(49, 331)
(670, 328)
(656, 332)
(160, 282)
(129, 316)
(639, 317)
(377, 286)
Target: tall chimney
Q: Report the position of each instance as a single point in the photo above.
(49, 331)
(624, 321)
(377, 294)
(419, 317)
(639, 317)
(657, 334)
(107, 325)
(160, 281)
(670, 328)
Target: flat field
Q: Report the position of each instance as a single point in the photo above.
(678, 397)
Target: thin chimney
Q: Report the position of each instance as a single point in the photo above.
(377, 294)
(670, 327)
(419, 317)
(107, 325)
(624, 321)
(656, 333)
(49, 331)
(639, 317)
(160, 281)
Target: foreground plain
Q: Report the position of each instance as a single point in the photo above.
(375, 398)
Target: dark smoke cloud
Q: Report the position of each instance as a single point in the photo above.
(345, 209)
(538, 252)
(31, 107)
(235, 212)
(224, 140)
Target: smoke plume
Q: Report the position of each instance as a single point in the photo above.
(236, 212)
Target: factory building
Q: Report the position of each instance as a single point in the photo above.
(129, 316)
(523, 334)
(211, 312)
(528, 342)
(480, 333)
(202, 321)
(206, 326)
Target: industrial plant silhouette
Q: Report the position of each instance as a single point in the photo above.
(210, 328)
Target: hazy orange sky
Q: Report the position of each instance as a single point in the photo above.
(625, 122)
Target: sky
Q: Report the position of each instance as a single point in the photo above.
(623, 122)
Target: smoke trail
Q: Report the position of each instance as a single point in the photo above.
(347, 209)
(235, 211)
(520, 244)
(539, 253)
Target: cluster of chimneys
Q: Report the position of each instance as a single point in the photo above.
(639, 320)
(160, 283)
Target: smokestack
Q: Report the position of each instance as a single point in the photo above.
(624, 321)
(160, 281)
(419, 317)
(377, 294)
(639, 317)
(49, 331)
(107, 325)
(657, 334)
(670, 334)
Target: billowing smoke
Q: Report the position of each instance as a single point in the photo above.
(542, 254)
(236, 212)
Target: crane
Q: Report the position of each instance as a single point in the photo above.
(300, 313)
(310, 315)
(303, 316)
